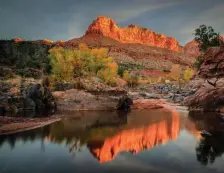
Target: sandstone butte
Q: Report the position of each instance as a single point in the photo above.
(138, 139)
(132, 34)
(133, 44)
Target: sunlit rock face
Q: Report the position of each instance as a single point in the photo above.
(192, 49)
(131, 34)
(138, 139)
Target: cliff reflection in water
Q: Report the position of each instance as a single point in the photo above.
(106, 134)
(137, 139)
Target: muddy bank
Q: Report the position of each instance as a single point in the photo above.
(10, 125)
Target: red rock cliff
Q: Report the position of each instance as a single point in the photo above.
(131, 34)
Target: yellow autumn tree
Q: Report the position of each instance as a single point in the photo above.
(188, 73)
(109, 73)
(62, 64)
(71, 63)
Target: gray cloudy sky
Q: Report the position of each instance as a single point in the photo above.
(66, 19)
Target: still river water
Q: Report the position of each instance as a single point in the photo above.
(158, 141)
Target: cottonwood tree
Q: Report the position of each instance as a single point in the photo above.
(207, 37)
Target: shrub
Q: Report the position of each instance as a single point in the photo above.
(24, 56)
(109, 73)
(132, 80)
(120, 71)
(126, 76)
(198, 62)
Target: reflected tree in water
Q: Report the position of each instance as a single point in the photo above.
(205, 152)
(209, 148)
(26, 136)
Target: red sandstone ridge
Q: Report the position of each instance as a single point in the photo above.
(132, 34)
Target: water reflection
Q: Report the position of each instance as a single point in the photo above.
(209, 147)
(137, 139)
(106, 134)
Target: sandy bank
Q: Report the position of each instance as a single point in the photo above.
(17, 124)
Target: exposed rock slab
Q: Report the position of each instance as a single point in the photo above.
(82, 100)
(209, 96)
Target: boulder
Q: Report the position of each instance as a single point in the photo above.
(124, 103)
(213, 65)
(38, 97)
(206, 99)
(74, 99)
(208, 88)
(29, 104)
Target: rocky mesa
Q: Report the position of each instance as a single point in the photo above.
(131, 34)
(136, 45)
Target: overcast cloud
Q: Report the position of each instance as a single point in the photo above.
(63, 20)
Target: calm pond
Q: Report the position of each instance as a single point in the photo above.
(158, 141)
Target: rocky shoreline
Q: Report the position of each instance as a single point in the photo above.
(74, 100)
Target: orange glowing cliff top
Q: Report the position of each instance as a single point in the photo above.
(131, 34)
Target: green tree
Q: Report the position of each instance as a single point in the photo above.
(206, 37)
